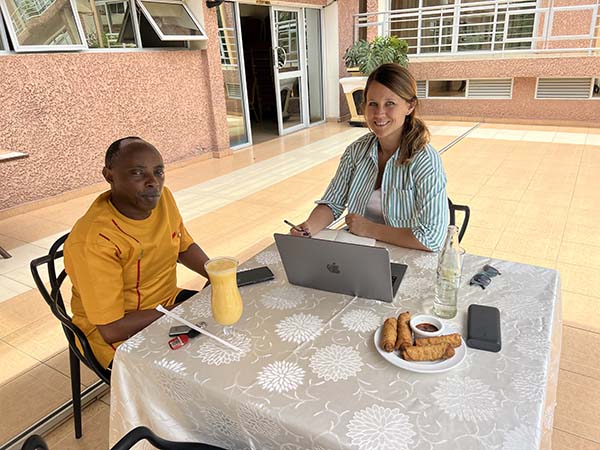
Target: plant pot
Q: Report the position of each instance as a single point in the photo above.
(353, 88)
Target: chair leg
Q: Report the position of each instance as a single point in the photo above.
(76, 392)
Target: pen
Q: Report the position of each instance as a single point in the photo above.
(295, 227)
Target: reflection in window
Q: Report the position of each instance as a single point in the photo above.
(286, 29)
(596, 88)
(236, 123)
(102, 25)
(447, 88)
(172, 21)
(47, 23)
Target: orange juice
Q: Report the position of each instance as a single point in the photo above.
(226, 301)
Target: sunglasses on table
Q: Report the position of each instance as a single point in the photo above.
(484, 278)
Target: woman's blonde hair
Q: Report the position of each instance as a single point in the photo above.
(415, 135)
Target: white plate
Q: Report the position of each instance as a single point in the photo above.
(422, 366)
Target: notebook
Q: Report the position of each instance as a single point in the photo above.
(340, 267)
(344, 236)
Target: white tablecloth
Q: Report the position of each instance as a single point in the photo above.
(309, 376)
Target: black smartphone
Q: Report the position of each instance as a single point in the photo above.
(179, 330)
(253, 276)
(483, 328)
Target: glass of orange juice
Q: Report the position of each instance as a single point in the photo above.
(226, 301)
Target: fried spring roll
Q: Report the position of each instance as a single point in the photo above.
(404, 338)
(428, 352)
(452, 339)
(388, 336)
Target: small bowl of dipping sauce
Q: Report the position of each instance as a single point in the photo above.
(424, 325)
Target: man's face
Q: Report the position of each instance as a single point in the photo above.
(136, 178)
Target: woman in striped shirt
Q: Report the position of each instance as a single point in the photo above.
(391, 180)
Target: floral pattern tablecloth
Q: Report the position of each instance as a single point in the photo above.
(309, 376)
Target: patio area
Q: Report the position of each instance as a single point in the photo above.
(534, 194)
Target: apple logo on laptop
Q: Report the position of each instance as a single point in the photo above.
(333, 268)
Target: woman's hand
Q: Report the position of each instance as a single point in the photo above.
(359, 225)
(305, 227)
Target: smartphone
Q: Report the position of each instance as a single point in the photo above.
(180, 330)
(483, 328)
(253, 276)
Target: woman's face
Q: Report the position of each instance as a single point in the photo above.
(385, 113)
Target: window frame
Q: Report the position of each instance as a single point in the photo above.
(18, 48)
(156, 28)
(3, 38)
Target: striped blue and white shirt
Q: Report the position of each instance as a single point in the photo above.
(412, 195)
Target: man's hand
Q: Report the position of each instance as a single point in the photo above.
(359, 225)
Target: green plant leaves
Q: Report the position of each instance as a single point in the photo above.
(367, 56)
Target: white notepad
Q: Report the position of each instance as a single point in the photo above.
(344, 236)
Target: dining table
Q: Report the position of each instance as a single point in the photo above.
(308, 373)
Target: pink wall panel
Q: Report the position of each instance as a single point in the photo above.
(64, 110)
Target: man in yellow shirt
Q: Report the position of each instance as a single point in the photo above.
(121, 256)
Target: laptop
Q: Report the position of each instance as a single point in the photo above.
(340, 267)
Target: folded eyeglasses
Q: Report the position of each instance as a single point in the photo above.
(484, 278)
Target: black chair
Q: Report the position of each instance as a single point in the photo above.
(73, 334)
(36, 442)
(465, 209)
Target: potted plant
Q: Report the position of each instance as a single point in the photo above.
(365, 57)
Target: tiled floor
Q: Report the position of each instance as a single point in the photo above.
(534, 197)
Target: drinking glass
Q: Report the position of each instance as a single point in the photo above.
(226, 301)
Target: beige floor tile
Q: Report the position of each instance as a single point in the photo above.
(562, 440)
(11, 311)
(538, 226)
(8, 243)
(578, 403)
(578, 279)
(582, 234)
(581, 311)
(591, 202)
(579, 352)
(95, 426)
(29, 228)
(41, 340)
(14, 362)
(60, 363)
(531, 260)
(541, 246)
(560, 199)
(481, 237)
(29, 397)
(579, 254)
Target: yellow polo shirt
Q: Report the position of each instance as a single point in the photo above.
(118, 265)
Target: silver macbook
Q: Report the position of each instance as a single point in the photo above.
(340, 267)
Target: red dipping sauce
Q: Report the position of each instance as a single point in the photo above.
(429, 327)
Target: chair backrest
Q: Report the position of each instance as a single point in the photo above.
(465, 209)
(36, 442)
(54, 299)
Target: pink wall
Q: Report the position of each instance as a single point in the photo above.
(523, 105)
(64, 109)
(346, 10)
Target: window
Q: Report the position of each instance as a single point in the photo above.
(447, 88)
(102, 27)
(596, 88)
(172, 21)
(43, 25)
(564, 88)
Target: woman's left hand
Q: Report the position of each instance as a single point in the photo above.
(359, 225)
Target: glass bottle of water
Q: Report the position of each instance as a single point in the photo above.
(448, 276)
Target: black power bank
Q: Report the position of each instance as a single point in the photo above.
(483, 328)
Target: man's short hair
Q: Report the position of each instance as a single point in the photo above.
(114, 149)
